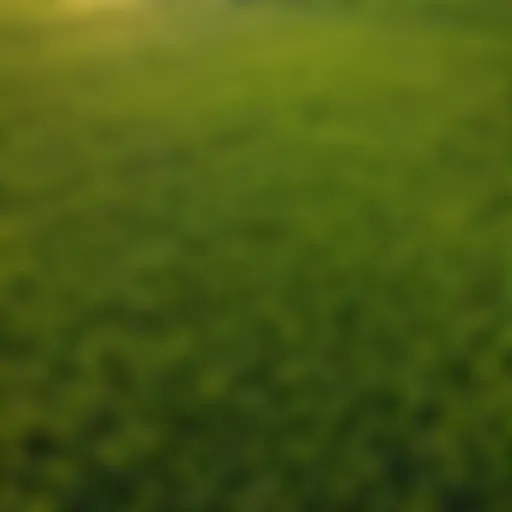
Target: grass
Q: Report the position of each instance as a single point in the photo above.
(255, 260)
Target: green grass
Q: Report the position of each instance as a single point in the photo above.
(255, 260)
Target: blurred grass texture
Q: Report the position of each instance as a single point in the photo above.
(256, 256)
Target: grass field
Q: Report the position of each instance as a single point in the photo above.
(256, 257)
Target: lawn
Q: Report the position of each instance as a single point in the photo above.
(256, 257)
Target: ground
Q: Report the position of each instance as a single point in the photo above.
(257, 258)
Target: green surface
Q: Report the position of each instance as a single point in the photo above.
(257, 259)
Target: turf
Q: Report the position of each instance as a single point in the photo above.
(256, 257)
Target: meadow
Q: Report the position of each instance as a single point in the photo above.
(256, 256)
